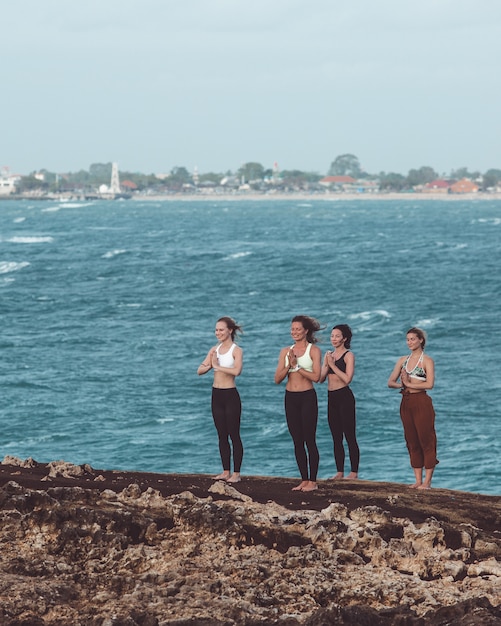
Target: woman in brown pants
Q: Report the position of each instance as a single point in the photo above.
(416, 372)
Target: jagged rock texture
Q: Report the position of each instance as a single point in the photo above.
(82, 557)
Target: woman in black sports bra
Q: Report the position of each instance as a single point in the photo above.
(339, 367)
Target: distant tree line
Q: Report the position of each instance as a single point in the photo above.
(253, 174)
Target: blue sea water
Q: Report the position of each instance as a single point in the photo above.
(108, 307)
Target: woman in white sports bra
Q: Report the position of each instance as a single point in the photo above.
(226, 359)
(414, 375)
(300, 364)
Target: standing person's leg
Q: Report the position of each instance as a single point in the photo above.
(309, 417)
(293, 414)
(349, 428)
(336, 428)
(219, 416)
(425, 426)
(411, 437)
(233, 414)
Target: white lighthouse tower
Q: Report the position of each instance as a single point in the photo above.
(115, 182)
(113, 191)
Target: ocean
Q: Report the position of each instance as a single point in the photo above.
(108, 307)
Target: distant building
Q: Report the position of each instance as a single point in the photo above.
(331, 181)
(465, 185)
(128, 185)
(8, 183)
(348, 184)
(339, 183)
(437, 186)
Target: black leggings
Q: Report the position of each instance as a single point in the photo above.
(341, 415)
(301, 410)
(226, 411)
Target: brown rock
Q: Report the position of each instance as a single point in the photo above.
(138, 549)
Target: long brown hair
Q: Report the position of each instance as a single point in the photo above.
(232, 326)
(310, 324)
(346, 332)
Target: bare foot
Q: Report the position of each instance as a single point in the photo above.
(415, 486)
(234, 478)
(300, 486)
(424, 486)
(311, 485)
(223, 476)
(351, 476)
(338, 476)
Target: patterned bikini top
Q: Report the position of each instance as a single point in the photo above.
(418, 372)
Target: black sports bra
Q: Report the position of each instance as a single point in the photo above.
(339, 363)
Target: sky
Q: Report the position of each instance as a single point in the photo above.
(214, 84)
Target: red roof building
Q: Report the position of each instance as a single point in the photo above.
(464, 186)
(437, 186)
(128, 184)
(337, 180)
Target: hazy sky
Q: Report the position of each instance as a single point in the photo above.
(154, 84)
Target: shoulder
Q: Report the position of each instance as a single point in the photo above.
(428, 360)
(237, 349)
(315, 349)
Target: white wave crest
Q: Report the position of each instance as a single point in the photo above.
(66, 205)
(236, 255)
(30, 239)
(112, 253)
(368, 320)
(495, 221)
(75, 205)
(427, 322)
(11, 266)
(369, 315)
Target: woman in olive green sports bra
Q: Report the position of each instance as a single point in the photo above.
(300, 364)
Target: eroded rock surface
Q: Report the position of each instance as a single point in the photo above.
(97, 557)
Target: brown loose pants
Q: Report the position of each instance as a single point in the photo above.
(418, 418)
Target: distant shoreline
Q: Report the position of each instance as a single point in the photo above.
(259, 197)
(304, 197)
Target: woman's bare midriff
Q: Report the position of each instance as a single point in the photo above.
(296, 382)
(334, 383)
(223, 381)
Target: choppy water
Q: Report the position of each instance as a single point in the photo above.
(107, 309)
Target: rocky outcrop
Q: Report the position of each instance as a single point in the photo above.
(135, 557)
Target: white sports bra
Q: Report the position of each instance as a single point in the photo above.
(227, 359)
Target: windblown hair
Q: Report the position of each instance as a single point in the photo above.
(310, 324)
(232, 325)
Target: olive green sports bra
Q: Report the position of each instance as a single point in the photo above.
(304, 362)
